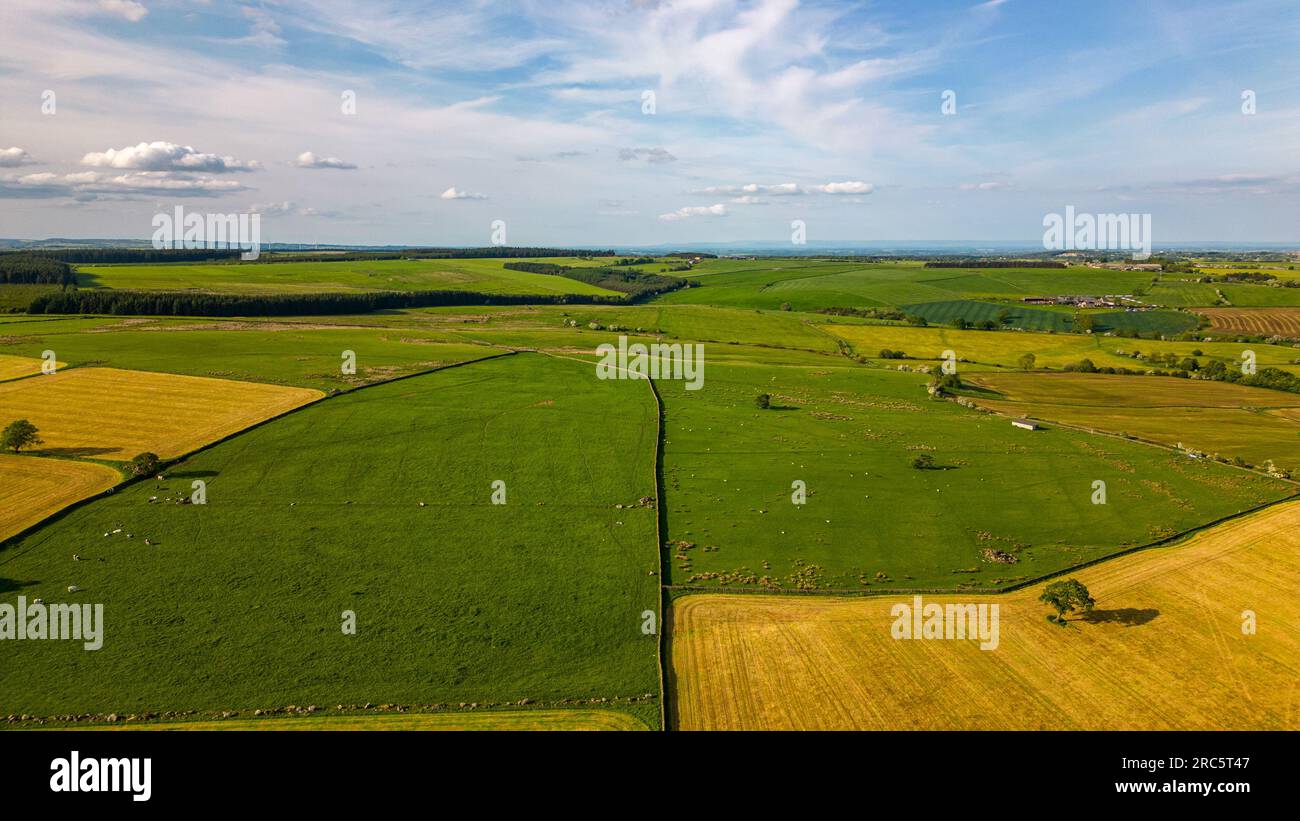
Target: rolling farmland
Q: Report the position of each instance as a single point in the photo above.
(1255, 321)
(1164, 649)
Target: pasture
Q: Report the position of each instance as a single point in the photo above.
(113, 414)
(1164, 649)
(1003, 505)
(378, 502)
(481, 275)
(31, 489)
(306, 353)
(1216, 418)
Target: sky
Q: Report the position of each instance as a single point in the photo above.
(646, 122)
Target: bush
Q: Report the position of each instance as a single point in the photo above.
(923, 461)
(763, 401)
(145, 464)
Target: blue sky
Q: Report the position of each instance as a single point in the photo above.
(764, 112)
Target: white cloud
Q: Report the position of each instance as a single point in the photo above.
(165, 156)
(748, 200)
(309, 160)
(455, 193)
(88, 185)
(126, 9)
(715, 210)
(13, 157)
(984, 186)
(852, 187)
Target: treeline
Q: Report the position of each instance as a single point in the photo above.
(161, 303)
(104, 256)
(995, 263)
(635, 284)
(26, 269)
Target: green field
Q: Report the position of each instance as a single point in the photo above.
(237, 604)
(482, 275)
(850, 434)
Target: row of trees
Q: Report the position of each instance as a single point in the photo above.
(27, 269)
(160, 303)
(995, 263)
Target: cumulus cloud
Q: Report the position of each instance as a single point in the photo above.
(455, 193)
(163, 156)
(283, 208)
(715, 210)
(126, 9)
(13, 157)
(749, 200)
(307, 159)
(650, 155)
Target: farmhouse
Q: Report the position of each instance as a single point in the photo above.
(1025, 423)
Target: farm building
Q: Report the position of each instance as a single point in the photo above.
(1025, 423)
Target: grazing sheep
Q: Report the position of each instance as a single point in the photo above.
(72, 588)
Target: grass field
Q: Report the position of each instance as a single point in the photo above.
(1255, 321)
(1163, 650)
(306, 353)
(1220, 418)
(32, 489)
(515, 721)
(237, 603)
(873, 522)
(114, 414)
(482, 275)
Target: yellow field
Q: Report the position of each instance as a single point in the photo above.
(1213, 417)
(507, 720)
(12, 367)
(1165, 651)
(1255, 321)
(108, 413)
(32, 488)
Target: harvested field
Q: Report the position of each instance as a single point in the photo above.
(501, 720)
(1164, 650)
(13, 367)
(1255, 321)
(32, 488)
(108, 413)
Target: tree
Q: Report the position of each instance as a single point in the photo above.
(923, 461)
(19, 434)
(1083, 322)
(1027, 362)
(1067, 596)
(763, 401)
(145, 464)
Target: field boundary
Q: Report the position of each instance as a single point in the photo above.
(661, 523)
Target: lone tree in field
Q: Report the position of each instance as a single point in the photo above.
(145, 464)
(1067, 596)
(923, 461)
(18, 435)
(763, 401)
(1027, 362)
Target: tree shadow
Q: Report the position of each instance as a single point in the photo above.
(10, 585)
(1127, 616)
(76, 452)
